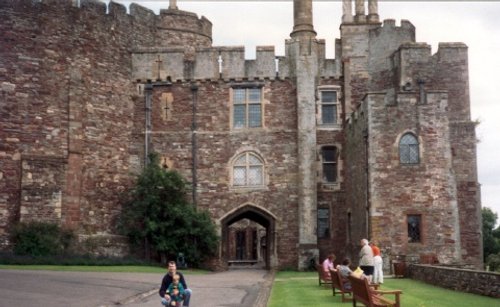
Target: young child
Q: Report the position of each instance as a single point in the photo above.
(176, 291)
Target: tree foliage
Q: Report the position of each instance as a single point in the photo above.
(41, 239)
(491, 239)
(159, 216)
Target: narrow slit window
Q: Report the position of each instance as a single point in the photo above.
(323, 223)
(329, 163)
(414, 228)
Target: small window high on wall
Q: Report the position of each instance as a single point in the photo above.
(329, 107)
(409, 149)
(247, 107)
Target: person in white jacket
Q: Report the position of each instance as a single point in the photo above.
(366, 259)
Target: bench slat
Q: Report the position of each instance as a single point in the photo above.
(362, 292)
(339, 283)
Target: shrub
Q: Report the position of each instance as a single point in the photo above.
(160, 218)
(493, 261)
(41, 239)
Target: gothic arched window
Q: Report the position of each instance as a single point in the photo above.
(409, 149)
(248, 170)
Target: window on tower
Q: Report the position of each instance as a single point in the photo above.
(414, 228)
(409, 149)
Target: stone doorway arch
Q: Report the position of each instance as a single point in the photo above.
(260, 216)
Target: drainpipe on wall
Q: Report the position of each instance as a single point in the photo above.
(148, 90)
(367, 193)
(194, 91)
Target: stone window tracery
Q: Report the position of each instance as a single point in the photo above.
(409, 152)
(248, 170)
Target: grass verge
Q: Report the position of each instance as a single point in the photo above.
(302, 289)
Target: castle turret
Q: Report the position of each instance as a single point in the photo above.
(177, 28)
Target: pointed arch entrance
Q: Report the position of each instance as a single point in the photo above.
(263, 238)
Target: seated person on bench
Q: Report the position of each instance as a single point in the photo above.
(328, 264)
(345, 271)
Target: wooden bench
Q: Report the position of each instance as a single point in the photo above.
(323, 277)
(339, 283)
(362, 292)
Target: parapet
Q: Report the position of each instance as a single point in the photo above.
(181, 28)
(173, 27)
(218, 62)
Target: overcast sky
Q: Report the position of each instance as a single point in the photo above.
(477, 24)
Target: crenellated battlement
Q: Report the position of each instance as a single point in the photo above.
(218, 62)
(416, 63)
(161, 45)
(89, 89)
(173, 27)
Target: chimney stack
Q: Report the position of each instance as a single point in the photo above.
(302, 19)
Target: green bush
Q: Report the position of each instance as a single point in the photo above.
(493, 262)
(159, 218)
(41, 239)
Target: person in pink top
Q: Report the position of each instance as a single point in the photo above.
(378, 274)
(328, 263)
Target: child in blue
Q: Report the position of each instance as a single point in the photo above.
(176, 291)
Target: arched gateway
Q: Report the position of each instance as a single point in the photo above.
(248, 237)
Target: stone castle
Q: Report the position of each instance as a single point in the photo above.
(293, 156)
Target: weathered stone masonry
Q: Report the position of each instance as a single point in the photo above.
(74, 81)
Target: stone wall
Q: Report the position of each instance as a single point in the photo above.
(426, 188)
(477, 282)
(218, 144)
(212, 63)
(182, 29)
(68, 100)
(356, 181)
(448, 70)
(72, 84)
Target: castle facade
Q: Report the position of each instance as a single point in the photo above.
(294, 156)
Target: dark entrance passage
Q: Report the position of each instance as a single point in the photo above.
(248, 238)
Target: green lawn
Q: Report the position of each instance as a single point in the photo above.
(301, 289)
